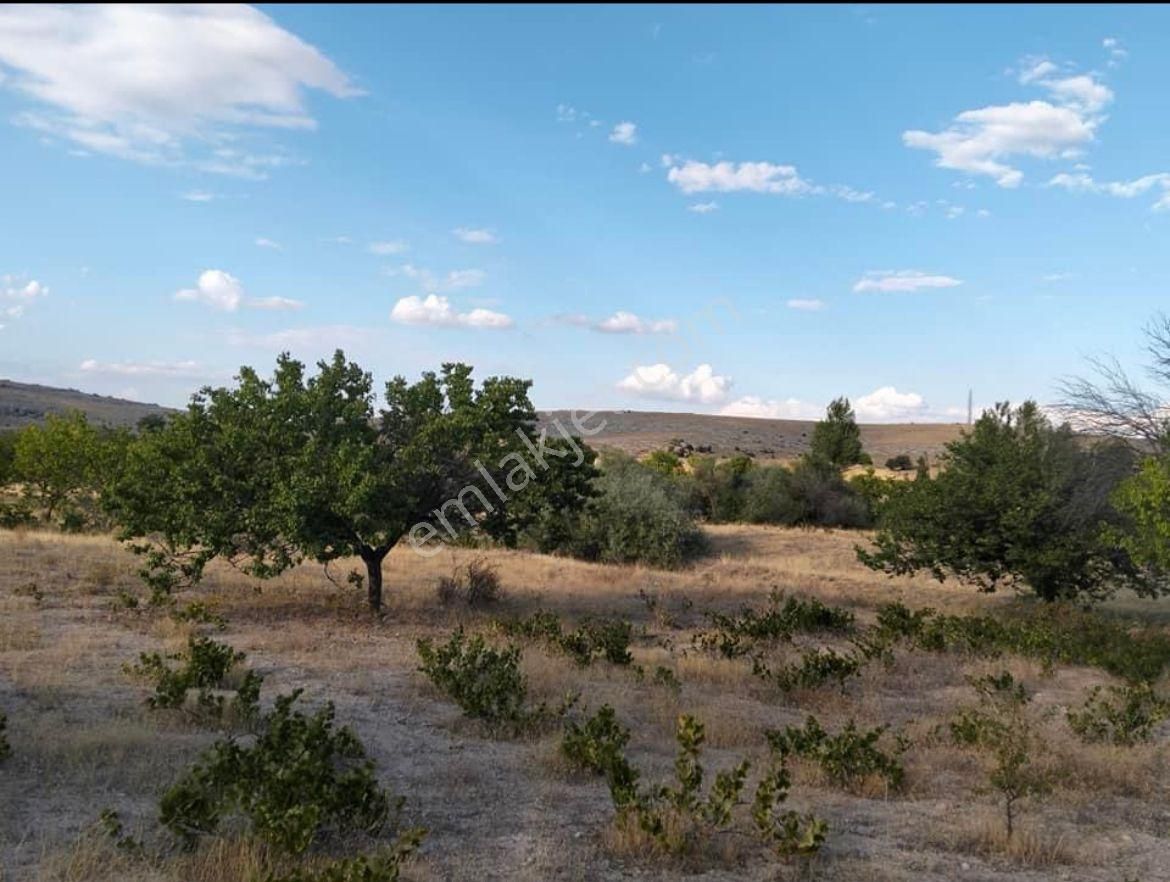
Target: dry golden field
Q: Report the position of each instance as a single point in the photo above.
(508, 809)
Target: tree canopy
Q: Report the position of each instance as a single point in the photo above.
(277, 470)
(836, 440)
(1017, 502)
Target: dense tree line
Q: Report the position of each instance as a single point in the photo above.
(317, 466)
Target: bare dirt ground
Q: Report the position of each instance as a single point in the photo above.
(638, 432)
(508, 809)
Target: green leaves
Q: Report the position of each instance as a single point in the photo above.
(1017, 502)
(300, 779)
(836, 440)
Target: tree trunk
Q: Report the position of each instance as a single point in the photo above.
(373, 558)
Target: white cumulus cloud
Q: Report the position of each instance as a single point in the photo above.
(771, 408)
(437, 310)
(660, 381)
(986, 141)
(622, 322)
(163, 84)
(215, 288)
(887, 404)
(728, 177)
(887, 281)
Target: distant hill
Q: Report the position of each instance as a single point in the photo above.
(638, 432)
(24, 403)
(635, 432)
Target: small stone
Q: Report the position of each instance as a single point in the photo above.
(964, 866)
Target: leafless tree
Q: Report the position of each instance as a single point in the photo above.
(1111, 403)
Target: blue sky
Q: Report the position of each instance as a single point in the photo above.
(739, 210)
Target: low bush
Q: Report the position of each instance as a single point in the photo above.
(485, 682)
(1124, 715)
(302, 779)
(734, 636)
(1001, 728)
(206, 666)
(1050, 635)
(847, 758)
(594, 638)
(815, 668)
(598, 745)
(785, 831)
(900, 463)
(5, 747)
(199, 613)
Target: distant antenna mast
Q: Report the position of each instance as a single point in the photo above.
(969, 406)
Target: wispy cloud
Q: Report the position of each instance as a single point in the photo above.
(806, 305)
(475, 236)
(887, 281)
(393, 246)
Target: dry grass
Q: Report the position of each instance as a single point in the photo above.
(511, 809)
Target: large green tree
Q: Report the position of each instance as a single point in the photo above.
(1017, 502)
(273, 471)
(65, 461)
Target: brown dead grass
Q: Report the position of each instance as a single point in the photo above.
(510, 809)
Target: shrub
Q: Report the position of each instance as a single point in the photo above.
(382, 866)
(607, 638)
(673, 817)
(827, 500)
(665, 462)
(206, 667)
(787, 832)
(1128, 716)
(485, 682)
(770, 497)
(476, 584)
(596, 746)
(900, 463)
(1000, 727)
(638, 517)
(815, 668)
(734, 636)
(199, 613)
(301, 779)
(5, 747)
(846, 758)
(1050, 635)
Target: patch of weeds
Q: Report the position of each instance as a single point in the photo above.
(301, 780)
(847, 758)
(477, 584)
(111, 825)
(30, 589)
(382, 866)
(1124, 715)
(199, 613)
